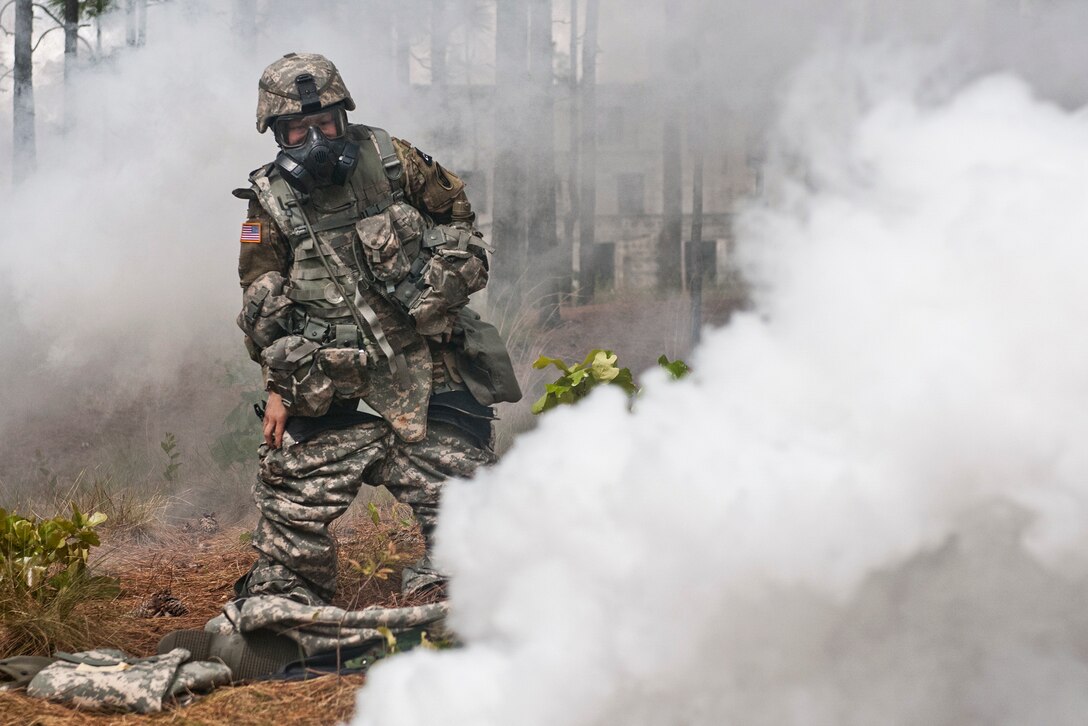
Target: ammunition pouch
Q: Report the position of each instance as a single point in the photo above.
(266, 310)
(309, 377)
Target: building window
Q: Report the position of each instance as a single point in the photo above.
(604, 265)
(708, 261)
(630, 194)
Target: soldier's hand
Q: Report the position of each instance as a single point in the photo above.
(275, 419)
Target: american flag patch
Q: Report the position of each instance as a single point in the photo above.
(251, 232)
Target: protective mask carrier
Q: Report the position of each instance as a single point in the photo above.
(318, 161)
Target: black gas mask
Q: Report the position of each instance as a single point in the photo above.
(323, 156)
(318, 161)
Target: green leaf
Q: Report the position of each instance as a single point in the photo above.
(625, 381)
(544, 403)
(96, 519)
(374, 516)
(593, 354)
(677, 368)
(544, 362)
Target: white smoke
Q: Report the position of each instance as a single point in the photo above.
(867, 504)
(118, 256)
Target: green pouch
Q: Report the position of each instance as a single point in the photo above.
(483, 361)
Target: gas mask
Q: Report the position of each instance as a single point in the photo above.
(318, 161)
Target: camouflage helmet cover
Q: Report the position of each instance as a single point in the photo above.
(278, 92)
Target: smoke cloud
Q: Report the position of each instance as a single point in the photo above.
(867, 504)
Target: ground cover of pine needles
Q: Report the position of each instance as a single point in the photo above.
(200, 569)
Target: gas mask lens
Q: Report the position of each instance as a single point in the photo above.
(291, 130)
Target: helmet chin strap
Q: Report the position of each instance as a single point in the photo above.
(318, 161)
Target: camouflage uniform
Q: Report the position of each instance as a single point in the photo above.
(324, 629)
(107, 679)
(355, 292)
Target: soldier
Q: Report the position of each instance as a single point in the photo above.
(358, 255)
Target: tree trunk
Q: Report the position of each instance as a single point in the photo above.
(23, 149)
(571, 222)
(71, 39)
(697, 140)
(587, 209)
(508, 210)
(543, 239)
(669, 252)
(71, 36)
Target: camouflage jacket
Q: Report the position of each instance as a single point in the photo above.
(403, 353)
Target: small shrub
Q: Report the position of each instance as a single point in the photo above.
(44, 577)
(169, 446)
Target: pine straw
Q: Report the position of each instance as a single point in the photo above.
(201, 573)
(325, 700)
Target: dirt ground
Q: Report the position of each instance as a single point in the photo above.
(200, 570)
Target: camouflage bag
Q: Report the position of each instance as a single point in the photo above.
(448, 278)
(385, 240)
(107, 679)
(291, 371)
(265, 310)
(324, 629)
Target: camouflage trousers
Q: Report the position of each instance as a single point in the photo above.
(302, 488)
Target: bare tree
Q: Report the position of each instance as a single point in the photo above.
(669, 252)
(587, 208)
(511, 69)
(696, 261)
(135, 22)
(542, 238)
(71, 36)
(571, 221)
(24, 155)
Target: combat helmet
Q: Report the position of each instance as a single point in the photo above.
(299, 83)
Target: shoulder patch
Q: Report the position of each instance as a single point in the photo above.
(251, 232)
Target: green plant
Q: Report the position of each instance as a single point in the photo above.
(44, 576)
(169, 445)
(46, 556)
(598, 368)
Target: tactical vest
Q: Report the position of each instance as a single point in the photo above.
(400, 370)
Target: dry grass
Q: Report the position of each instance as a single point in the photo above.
(201, 572)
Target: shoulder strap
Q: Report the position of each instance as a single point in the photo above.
(275, 197)
(394, 170)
